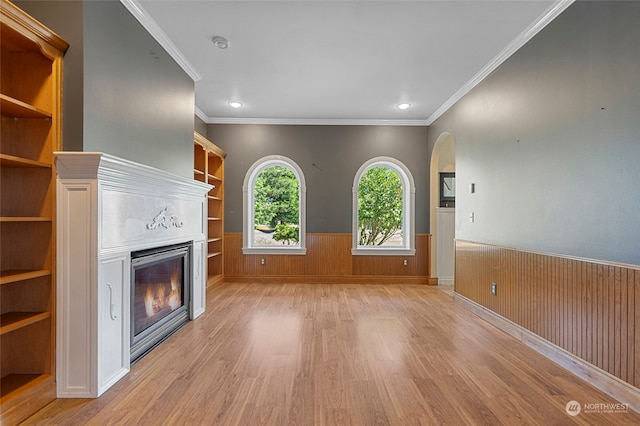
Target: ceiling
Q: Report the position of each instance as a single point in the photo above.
(339, 62)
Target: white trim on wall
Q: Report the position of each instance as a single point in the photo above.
(314, 121)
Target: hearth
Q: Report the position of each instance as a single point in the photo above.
(160, 288)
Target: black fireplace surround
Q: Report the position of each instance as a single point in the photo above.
(160, 287)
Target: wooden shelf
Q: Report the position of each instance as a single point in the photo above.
(198, 172)
(12, 384)
(30, 105)
(12, 107)
(12, 321)
(13, 161)
(24, 219)
(7, 277)
(210, 158)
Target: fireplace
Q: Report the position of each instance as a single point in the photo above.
(118, 220)
(160, 288)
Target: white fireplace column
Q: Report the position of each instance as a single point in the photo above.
(108, 207)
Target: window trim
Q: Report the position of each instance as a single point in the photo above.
(408, 208)
(248, 203)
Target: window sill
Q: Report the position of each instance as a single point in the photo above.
(275, 250)
(387, 251)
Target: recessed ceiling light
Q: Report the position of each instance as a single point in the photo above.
(403, 106)
(235, 104)
(220, 42)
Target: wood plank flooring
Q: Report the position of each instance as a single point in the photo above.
(331, 354)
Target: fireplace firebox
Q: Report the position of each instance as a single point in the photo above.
(161, 280)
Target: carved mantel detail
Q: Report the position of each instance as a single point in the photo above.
(165, 219)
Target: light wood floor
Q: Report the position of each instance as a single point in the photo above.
(338, 354)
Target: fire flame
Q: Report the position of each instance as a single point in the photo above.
(148, 301)
(174, 296)
(156, 297)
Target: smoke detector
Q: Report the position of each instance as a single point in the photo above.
(220, 42)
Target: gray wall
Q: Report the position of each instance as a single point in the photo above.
(552, 140)
(199, 125)
(329, 157)
(127, 96)
(138, 103)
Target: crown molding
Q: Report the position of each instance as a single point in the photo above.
(315, 121)
(549, 15)
(134, 7)
(201, 115)
(138, 12)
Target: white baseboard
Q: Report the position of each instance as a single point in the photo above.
(605, 382)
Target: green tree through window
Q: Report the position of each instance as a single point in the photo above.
(276, 201)
(380, 212)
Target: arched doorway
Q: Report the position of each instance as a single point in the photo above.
(442, 219)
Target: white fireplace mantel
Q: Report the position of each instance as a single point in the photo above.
(108, 207)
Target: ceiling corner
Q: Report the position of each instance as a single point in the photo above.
(135, 8)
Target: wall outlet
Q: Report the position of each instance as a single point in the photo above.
(404, 262)
(494, 289)
(262, 261)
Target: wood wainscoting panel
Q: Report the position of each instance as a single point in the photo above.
(328, 259)
(589, 308)
(417, 266)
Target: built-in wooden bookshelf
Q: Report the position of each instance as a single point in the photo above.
(30, 96)
(209, 168)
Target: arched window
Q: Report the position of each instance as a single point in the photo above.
(383, 209)
(274, 199)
